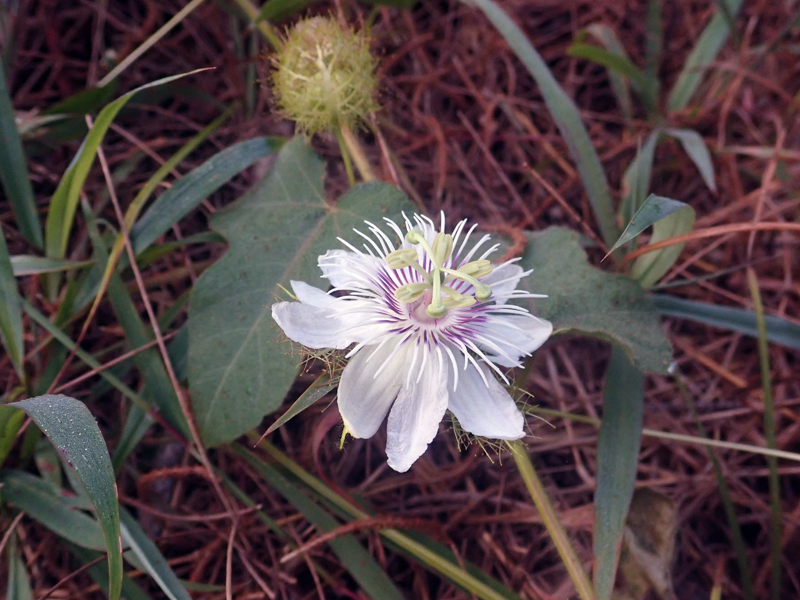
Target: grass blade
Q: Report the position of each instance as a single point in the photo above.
(653, 210)
(358, 562)
(14, 170)
(619, 85)
(551, 522)
(770, 435)
(193, 188)
(617, 457)
(321, 386)
(705, 51)
(64, 202)
(778, 330)
(697, 150)
(649, 268)
(73, 431)
(636, 179)
(654, 45)
(566, 116)
(18, 586)
(10, 313)
(725, 496)
(424, 553)
(25, 264)
(151, 558)
(622, 65)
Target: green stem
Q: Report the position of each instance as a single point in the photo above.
(769, 433)
(551, 522)
(348, 164)
(263, 26)
(357, 151)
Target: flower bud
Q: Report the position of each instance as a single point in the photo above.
(325, 76)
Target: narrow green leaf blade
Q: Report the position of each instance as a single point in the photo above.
(613, 61)
(705, 51)
(566, 116)
(240, 363)
(73, 431)
(697, 150)
(651, 267)
(619, 84)
(25, 264)
(10, 311)
(779, 331)
(44, 502)
(18, 586)
(617, 456)
(653, 210)
(636, 179)
(369, 575)
(151, 558)
(586, 300)
(64, 202)
(10, 423)
(321, 386)
(14, 170)
(193, 188)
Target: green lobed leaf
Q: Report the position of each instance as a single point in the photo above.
(617, 457)
(583, 299)
(46, 503)
(779, 331)
(652, 210)
(705, 51)
(697, 150)
(651, 267)
(189, 191)
(240, 363)
(14, 170)
(566, 116)
(73, 431)
(64, 202)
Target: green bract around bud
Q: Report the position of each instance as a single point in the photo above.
(325, 76)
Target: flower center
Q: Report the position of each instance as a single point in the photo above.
(439, 296)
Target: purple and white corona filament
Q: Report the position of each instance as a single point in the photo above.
(431, 326)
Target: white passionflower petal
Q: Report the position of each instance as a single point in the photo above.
(416, 414)
(425, 333)
(484, 408)
(366, 393)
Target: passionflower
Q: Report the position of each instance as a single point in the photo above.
(431, 327)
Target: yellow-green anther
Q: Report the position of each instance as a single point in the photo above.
(476, 268)
(482, 291)
(411, 292)
(442, 247)
(402, 258)
(436, 309)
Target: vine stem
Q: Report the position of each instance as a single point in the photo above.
(357, 152)
(348, 163)
(551, 522)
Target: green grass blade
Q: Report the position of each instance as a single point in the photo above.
(193, 188)
(25, 264)
(651, 267)
(64, 202)
(358, 562)
(705, 51)
(654, 45)
(47, 504)
(10, 313)
(697, 150)
(778, 330)
(621, 65)
(14, 170)
(619, 84)
(18, 586)
(321, 386)
(98, 572)
(566, 116)
(74, 432)
(636, 179)
(617, 458)
(653, 210)
(725, 496)
(151, 558)
(771, 437)
(424, 553)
